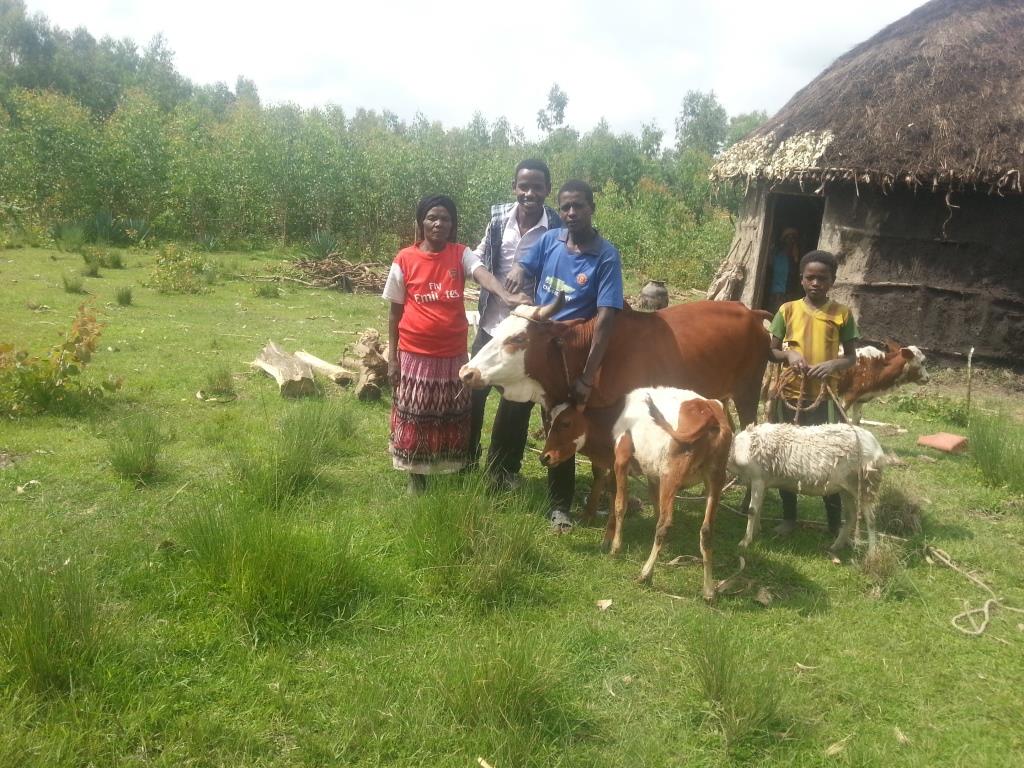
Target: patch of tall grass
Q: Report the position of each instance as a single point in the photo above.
(513, 692)
(219, 381)
(281, 463)
(123, 295)
(135, 445)
(467, 543)
(73, 284)
(996, 443)
(50, 627)
(896, 512)
(266, 291)
(275, 573)
(743, 698)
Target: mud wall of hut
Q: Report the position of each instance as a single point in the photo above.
(919, 271)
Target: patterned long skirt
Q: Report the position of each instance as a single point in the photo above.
(430, 415)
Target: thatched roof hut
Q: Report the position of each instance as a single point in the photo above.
(903, 158)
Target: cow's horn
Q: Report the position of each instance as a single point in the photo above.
(545, 312)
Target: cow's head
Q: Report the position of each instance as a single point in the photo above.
(567, 435)
(502, 362)
(913, 363)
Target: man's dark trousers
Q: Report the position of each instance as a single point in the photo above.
(510, 430)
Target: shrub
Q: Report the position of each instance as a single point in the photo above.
(266, 290)
(284, 462)
(179, 271)
(469, 544)
(275, 573)
(997, 445)
(50, 631)
(134, 231)
(102, 228)
(124, 296)
(91, 268)
(895, 512)
(742, 697)
(35, 384)
(73, 284)
(113, 260)
(135, 447)
(69, 237)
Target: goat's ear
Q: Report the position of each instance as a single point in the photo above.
(907, 353)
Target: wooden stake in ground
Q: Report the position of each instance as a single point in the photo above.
(293, 377)
(335, 373)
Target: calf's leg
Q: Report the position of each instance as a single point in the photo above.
(623, 455)
(757, 489)
(713, 490)
(666, 502)
(601, 477)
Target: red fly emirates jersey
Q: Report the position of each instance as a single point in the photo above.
(434, 320)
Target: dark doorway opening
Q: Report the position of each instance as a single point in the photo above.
(794, 229)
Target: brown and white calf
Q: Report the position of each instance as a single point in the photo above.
(877, 372)
(641, 440)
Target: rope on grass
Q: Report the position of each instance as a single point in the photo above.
(970, 614)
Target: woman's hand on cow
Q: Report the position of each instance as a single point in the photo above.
(394, 373)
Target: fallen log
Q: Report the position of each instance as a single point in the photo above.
(293, 377)
(335, 373)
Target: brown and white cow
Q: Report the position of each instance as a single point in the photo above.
(718, 349)
(878, 372)
(637, 438)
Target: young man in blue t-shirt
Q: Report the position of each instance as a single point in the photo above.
(579, 262)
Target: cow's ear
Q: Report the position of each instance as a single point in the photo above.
(892, 346)
(907, 353)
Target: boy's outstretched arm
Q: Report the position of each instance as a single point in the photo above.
(847, 360)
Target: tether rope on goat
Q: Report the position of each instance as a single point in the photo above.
(970, 614)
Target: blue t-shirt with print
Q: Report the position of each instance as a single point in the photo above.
(590, 280)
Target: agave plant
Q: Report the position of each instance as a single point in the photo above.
(321, 245)
(102, 227)
(135, 230)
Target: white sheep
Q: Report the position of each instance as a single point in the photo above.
(815, 461)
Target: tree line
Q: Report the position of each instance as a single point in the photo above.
(99, 128)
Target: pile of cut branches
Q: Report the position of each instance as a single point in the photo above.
(333, 271)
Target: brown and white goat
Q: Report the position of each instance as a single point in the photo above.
(643, 441)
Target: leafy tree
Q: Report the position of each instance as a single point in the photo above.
(552, 116)
(702, 123)
(742, 124)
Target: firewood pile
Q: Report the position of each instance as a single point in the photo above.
(343, 275)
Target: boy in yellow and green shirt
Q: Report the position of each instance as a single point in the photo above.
(817, 336)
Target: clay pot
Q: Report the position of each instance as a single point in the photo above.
(653, 296)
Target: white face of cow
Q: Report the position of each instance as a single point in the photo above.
(914, 370)
(502, 363)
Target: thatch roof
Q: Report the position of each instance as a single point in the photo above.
(935, 99)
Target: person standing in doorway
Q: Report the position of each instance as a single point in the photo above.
(513, 229)
(785, 264)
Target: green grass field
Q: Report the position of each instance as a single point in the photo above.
(264, 594)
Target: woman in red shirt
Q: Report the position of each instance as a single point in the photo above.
(427, 333)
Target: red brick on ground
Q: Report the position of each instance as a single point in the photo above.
(944, 441)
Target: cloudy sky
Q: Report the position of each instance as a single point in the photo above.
(627, 61)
